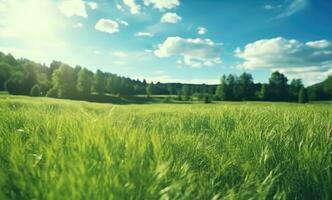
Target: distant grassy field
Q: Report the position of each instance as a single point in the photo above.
(61, 149)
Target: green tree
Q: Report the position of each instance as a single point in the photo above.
(44, 83)
(35, 91)
(29, 78)
(149, 90)
(53, 92)
(222, 91)
(84, 83)
(294, 89)
(100, 82)
(127, 87)
(278, 87)
(4, 74)
(219, 92)
(207, 98)
(185, 92)
(232, 88)
(178, 95)
(112, 84)
(264, 92)
(246, 87)
(170, 89)
(14, 84)
(53, 66)
(303, 96)
(10, 60)
(64, 81)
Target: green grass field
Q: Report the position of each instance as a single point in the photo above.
(61, 149)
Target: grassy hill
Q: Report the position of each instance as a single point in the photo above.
(322, 90)
(62, 149)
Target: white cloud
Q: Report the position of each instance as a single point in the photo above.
(162, 4)
(76, 7)
(165, 78)
(78, 25)
(289, 56)
(144, 34)
(132, 56)
(195, 52)
(96, 52)
(3, 7)
(107, 25)
(171, 18)
(134, 8)
(294, 7)
(201, 30)
(268, 7)
(320, 44)
(93, 5)
(119, 7)
(271, 7)
(309, 75)
(122, 22)
(73, 8)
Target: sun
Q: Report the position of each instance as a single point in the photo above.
(31, 21)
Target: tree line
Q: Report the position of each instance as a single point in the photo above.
(59, 80)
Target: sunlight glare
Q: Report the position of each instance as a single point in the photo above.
(33, 21)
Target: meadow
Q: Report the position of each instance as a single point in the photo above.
(62, 149)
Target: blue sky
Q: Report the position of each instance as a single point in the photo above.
(192, 41)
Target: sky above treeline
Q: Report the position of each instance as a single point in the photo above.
(189, 41)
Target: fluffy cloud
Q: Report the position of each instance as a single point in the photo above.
(162, 5)
(195, 52)
(76, 7)
(107, 25)
(134, 8)
(201, 30)
(73, 8)
(320, 44)
(288, 56)
(171, 18)
(144, 34)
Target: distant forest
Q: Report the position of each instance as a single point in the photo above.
(59, 80)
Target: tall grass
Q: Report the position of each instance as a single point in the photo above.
(57, 149)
